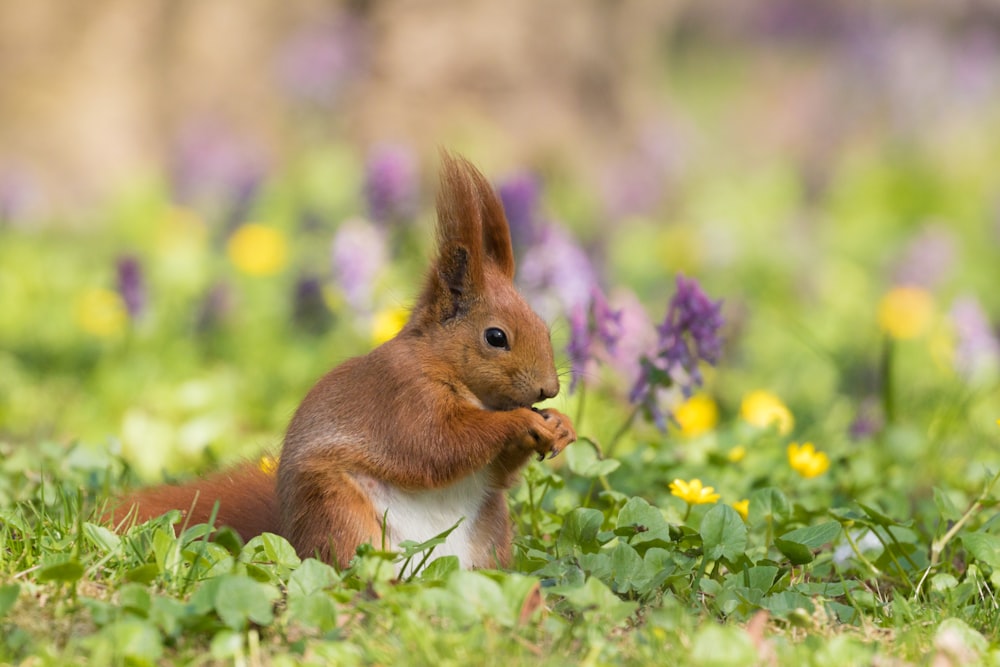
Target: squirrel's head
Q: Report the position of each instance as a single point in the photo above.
(470, 313)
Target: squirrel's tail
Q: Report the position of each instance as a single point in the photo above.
(246, 495)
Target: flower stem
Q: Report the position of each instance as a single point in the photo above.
(937, 547)
(580, 402)
(888, 386)
(622, 430)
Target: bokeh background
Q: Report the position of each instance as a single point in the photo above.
(187, 190)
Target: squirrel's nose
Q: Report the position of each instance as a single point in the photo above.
(548, 390)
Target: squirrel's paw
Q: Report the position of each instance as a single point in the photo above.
(551, 433)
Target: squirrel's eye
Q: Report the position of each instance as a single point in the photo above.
(496, 338)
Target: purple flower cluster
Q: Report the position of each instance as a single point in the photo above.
(131, 285)
(977, 349)
(357, 255)
(688, 336)
(927, 259)
(391, 183)
(318, 61)
(213, 167)
(556, 274)
(521, 196)
(594, 327)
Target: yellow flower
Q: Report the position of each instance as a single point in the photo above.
(806, 461)
(905, 312)
(387, 322)
(268, 464)
(258, 250)
(763, 409)
(737, 454)
(693, 492)
(743, 507)
(697, 415)
(101, 312)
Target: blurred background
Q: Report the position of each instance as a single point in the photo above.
(102, 94)
(184, 186)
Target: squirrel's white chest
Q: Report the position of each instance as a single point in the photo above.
(421, 515)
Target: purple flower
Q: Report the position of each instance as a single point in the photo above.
(595, 329)
(578, 347)
(556, 274)
(357, 255)
(688, 335)
(977, 350)
(867, 422)
(131, 285)
(927, 258)
(213, 167)
(318, 61)
(521, 196)
(391, 184)
(637, 337)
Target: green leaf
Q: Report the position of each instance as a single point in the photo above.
(170, 615)
(768, 504)
(440, 568)
(627, 569)
(227, 645)
(579, 531)
(945, 506)
(65, 572)
(798, 554)
(798, 545)
(130, 641)
(229, 539)
(761, 577)
(642, 523)
(721, 646)
(143, 574)
(723, 533)
(878, 517)
(279, 551)
(984, 547)
(311, 576)
(596, 602)
(8, 597)
(316, 610)
(136, 599)
(814, 536)
(786, 603)
(482, 596)
(239, 599)
(582, 460)
(102, 538)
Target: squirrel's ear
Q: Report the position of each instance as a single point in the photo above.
(472, 230)
(457, 274)
(496, 232)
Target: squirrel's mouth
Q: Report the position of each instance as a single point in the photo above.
(507, 404)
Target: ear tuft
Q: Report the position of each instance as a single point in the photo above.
(468, 198)
(472, 232)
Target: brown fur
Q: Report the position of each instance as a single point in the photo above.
(426, 409)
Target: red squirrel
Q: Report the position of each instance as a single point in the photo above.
(428, 429)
